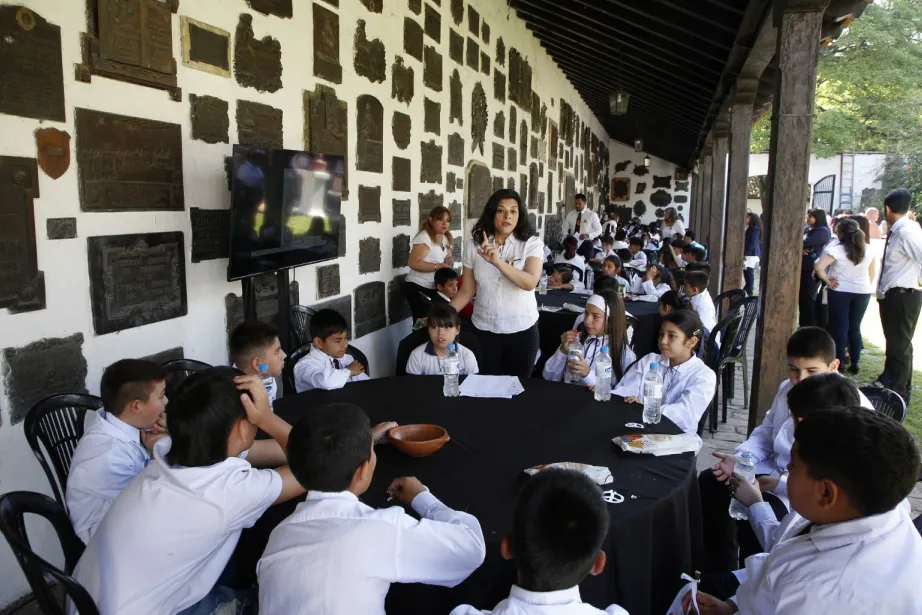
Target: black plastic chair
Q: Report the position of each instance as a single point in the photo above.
(734, 333)
(42, 576)
(300, 318)
(727, 300)
(632, 323)
(886, 402)
(577, 272)
(416, 338)
(288, 373)
(180, 369)
(55, 424)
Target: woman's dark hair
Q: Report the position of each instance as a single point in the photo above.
(617, 329)
(852, 239)
(442, 315)
(665, 277)
(820, 216)
(667, 256)
(688, 323)
(672, 299)
(570, 241)
(485, 225)
(753, 219)
(864, 224)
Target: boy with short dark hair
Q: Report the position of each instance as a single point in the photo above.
(446, 285)
(561, 279)
(327, 366)
(696, 289)
(118, 441)
(255, 347)
(620, 240)
(638, 258)
(338, 556)
(559, 525)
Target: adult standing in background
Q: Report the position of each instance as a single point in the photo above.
(873, 216)
(584, 224)
(752, 252)
(816, 236)
(502, 265)
(431, 251)
(672, 226)
(899, 292)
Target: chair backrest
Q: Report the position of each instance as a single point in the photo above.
(55, 424)
(288, 373)
(886, 402)
(715, 356)
(725, 300)
(406, 347)
(41, 574)
(632, 323)
(300, 317)
(577, 272)
(359, 356)
(180, 369)
(748, 309)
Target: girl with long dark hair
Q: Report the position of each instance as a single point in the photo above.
(753, 251)
(816, 236)
(502, 265)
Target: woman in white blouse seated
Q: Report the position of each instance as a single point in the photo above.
(502, 266)
(604, 326)
(654, 284)
(569, 255)
(672, 226)
(688, 384)
(431, 252)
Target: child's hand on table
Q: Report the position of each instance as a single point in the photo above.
(632, 400)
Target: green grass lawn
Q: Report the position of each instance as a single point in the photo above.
(872, 364)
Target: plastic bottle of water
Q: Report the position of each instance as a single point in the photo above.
(588, 278)
(745, 467)
(575, 352)
(603, 376)
(542, 285)
(268, 380)
(652, 395)
(451, 367)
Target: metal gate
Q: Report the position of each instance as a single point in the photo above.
(823, 193)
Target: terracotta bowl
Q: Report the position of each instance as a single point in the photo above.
(418, 440)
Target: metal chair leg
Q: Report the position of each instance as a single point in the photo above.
(745, 379)
(727, 384)
(712, 407)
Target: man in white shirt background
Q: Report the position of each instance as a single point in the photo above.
(899, 292)
(584, 224)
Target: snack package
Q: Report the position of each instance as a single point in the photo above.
(659, 444)
(598, 474)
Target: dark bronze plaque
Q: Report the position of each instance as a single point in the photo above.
(432, 116)
(170, 354)
(327, 281)
(640, 188)
(500, 51)
(22, 285)
(43, 368)
(369, 144)
(456, 218)
(479, 189)
(541, 202)
(640, 170)
(455, 150)
(62, 228)
(257, 63)
(416, 6)
(533, 221)
(535, 112)
(31, 77)
(326, 45)
(553, 231)
(455, 112)
(427, 202)
(397, 307)
(513, 125)
(53, 148)
(375, 6)
(455, 47)
(401, 127)
(369, 255)
(402, 174)
(479, 118)
(258, 124)
(210, 121)
(456, 251)
(620, 189)
(533, 186)
(523, 142)
(662, 181)
(205, 47)
(473, 54)
(432, 69)
(450, 181)
(136, 280)
(460, 184)
(401, 212)
(519, 80)
(343, 305)
(484, 63)
(210, 233)
(369, 56)
(403, 82)
(279, 8)
(400, 254)
(523, 188)
(430, 169)
(681, 186)
(498, 184)
(485, 32)
(128, 163)
(457, 11)
(661, 198)
(369, 308)
(499, 125)
(512, 160)
(499, 156)
(326, 126)
(413, 38)
(433, 22)
(473, 20)
(533, 150)
(499, 86)
(554, 141)
(680, 198)
(369, 204)
(267, 302)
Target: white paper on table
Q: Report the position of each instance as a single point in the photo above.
(504, 387)
(581, 291)
(676, 607)
(574, 308)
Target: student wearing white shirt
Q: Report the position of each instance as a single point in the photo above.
(166, 539)
(117, 442)
(337, 556)
(444, 326)
(810, 353)
(688, 384)
(611, 266)
(431, 251)
(327, 366)
(620, 240)
(583, 224)
(847, 547)
(563, 278)
(672, 226)
(254, 344)
(655, 283)
(502, 266)
(569, 255)
(639, 260)
(604, 325)
(605, 249)
(899, 292)
(554, 547)
(696, 290)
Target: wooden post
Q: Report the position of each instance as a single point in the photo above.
(694, 201)
(799, 24)
(738, 181)
(706, 172)
(718, 206)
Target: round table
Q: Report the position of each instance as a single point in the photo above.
(655, 533)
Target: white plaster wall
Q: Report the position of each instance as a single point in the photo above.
(620, 152)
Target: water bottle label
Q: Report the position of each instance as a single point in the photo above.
(451, 369)
(654, 391)
(606, 373)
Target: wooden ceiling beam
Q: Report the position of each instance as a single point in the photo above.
(678, 27)
(600, 97)
(681, 6)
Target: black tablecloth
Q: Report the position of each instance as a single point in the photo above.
(551, 325)
(653, 538)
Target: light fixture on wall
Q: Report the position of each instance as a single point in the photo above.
(638, 144)
(618, 102)
(647, 161)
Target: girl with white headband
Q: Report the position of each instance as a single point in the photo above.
(604, 325)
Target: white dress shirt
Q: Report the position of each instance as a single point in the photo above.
(501, 306)
(589, 224)
(524, 602)
(424, 362)
(687, 389)
(869, 566)
(337, 556)
(609, 227)
(902, 261)
(676, 227)
(852, 278)
(577, 261)
(556, 365)
(648, 291)
(703, 305)
(169, 535)
(639, 261)
(318, 370)
(436, 255)
(107, 457)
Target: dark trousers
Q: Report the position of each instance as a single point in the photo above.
(728, 542)
(749, 277)
(807, 300)
(508, 354)
(845, 313)
(899, 312)
(586, 250)
(414, 294)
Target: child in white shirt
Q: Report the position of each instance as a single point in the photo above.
(696, 290)
(563, 278)
(639, 260)
(337, 556)
(654, 284)
(444, 326)
(255, 347)
(169, 535)
(327, 366)
(611, 266)
(606, 249)
(118, 441)
(620, 240)
(555, 546)
(688, 384)
(569, 256)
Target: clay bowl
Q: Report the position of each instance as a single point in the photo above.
(418, 440)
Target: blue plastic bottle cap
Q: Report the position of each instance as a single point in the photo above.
(604, 348)
(654, 366)
(451, 346)
(263, 367)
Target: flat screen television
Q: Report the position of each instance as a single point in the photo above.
(285, 209)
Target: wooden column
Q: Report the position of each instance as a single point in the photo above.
(705, 208)
(718, 206)
(799, 24)
(738, 182)
(694, 201)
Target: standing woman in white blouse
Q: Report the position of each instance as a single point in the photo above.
(672, 226)
(502, 265)
(431, 252)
